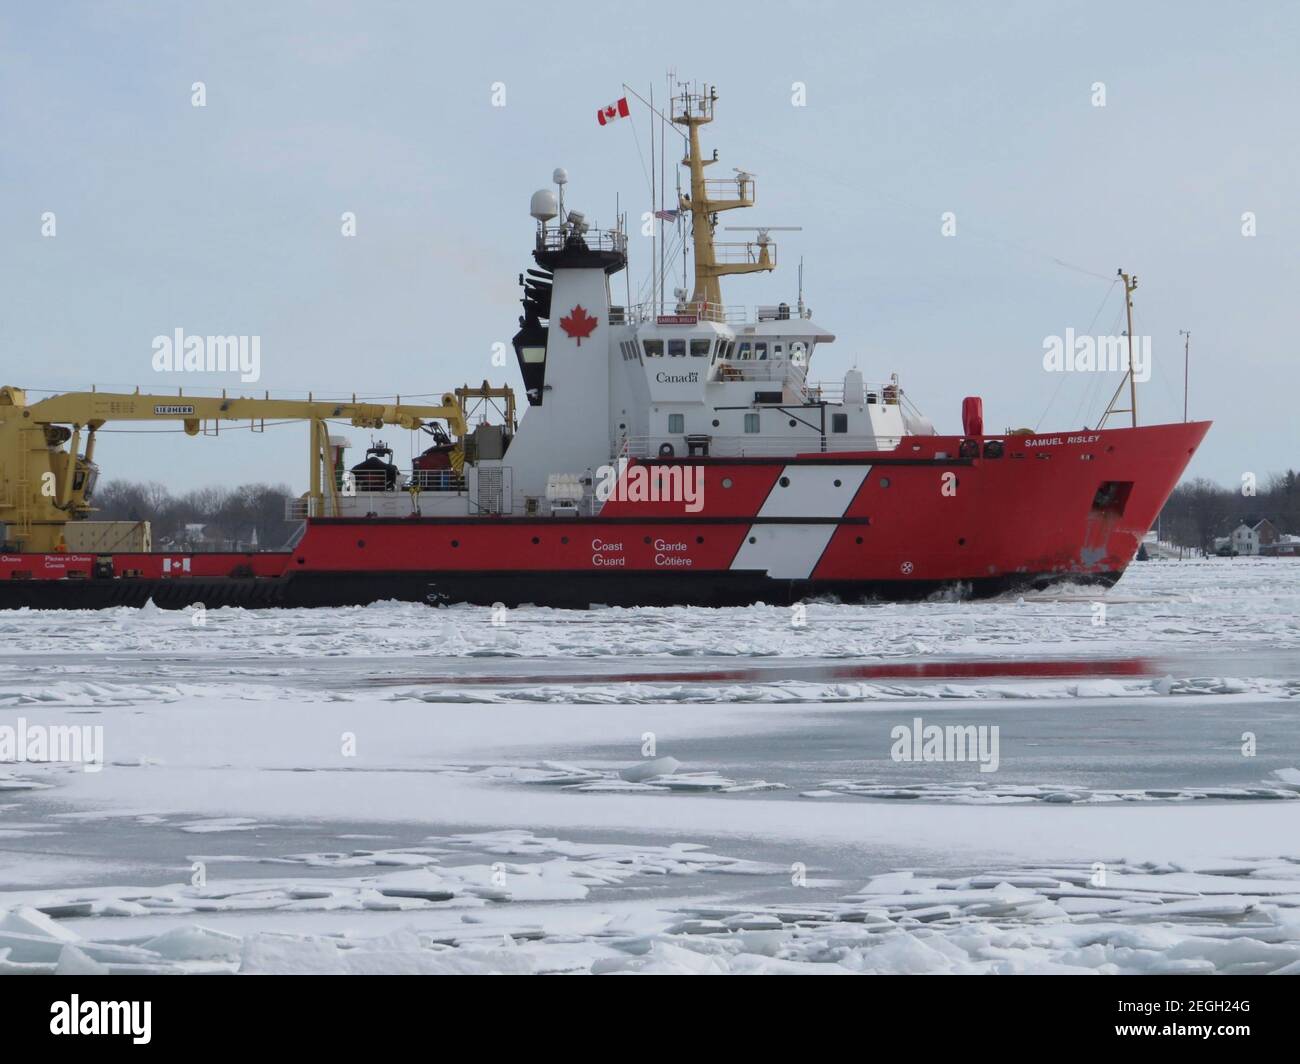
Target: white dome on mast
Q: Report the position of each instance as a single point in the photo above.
(543, 206)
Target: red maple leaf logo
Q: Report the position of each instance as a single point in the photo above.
(578, 323)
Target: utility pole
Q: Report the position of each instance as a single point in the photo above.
(1187, 343)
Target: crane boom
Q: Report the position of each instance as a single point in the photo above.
(43, 486)
(92, 409)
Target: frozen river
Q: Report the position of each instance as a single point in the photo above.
(398, 788)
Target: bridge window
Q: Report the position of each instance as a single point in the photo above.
(760, 351)
(839, 422)
(653, 348)
(677, 348)
(700, 348)
(676, 423)
(751, 422)
(743, 350)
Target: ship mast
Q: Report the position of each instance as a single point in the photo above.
(1130, 378)
(705, 199)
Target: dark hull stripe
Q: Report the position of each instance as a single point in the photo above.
(824, 458)
(574, 590)
(544, 523)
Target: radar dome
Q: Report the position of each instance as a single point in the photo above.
(543, 205)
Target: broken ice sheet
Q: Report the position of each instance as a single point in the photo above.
(994, 793)
(1239, 915)
(658, 775)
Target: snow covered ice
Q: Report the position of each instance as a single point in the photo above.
(404, 789)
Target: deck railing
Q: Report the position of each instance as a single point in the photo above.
(370, 484)
(762, 369)
(753, 446)
(557, 239)
(722, 314)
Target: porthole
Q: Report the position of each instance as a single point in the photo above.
(699, 539)
(716, 422)
(859, 539)
(839, 483)
(361, 543)
(726, 482)
(793, 423)
(302, 561)
(455, 543)
(647, 539)
(536, 540)
(784, 482)
(752, 539)
(961, 542)
(884, 482)
(564, 539)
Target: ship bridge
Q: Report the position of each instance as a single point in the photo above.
(685, 385)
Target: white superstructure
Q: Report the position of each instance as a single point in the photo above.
(688, 379)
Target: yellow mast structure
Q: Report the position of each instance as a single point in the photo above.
(43, 486)
(707, 197)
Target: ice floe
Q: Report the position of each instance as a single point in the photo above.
(662, 774)
(792, 692)
(1285, 787)
(1238, 916)
(1158, 606)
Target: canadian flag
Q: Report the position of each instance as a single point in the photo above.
(615, 110)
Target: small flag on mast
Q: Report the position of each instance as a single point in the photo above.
(617, 109)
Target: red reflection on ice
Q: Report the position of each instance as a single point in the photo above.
(894, 670)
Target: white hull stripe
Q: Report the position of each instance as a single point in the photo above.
(791, 552)
(784, 552)
(814, 491)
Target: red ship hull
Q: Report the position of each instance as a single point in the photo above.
(938, 512)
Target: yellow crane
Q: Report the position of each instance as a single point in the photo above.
(43, 486)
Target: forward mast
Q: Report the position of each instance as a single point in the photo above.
(707, 198)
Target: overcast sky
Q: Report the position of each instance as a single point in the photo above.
(225, 219)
